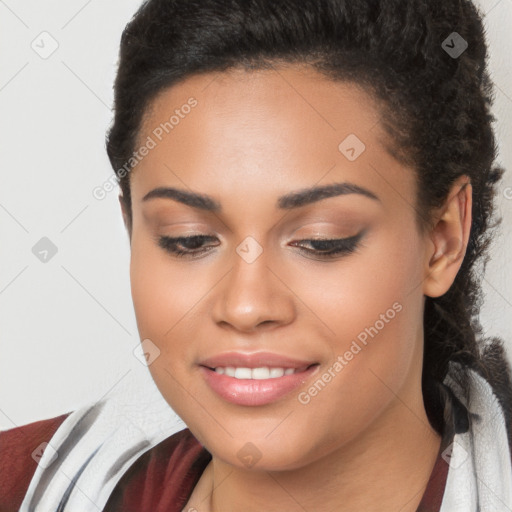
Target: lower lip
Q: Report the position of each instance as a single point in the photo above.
(253, 391)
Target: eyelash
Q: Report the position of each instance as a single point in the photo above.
(340, 246)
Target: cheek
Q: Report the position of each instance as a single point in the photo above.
(373, 307)
(164, 296)
(162, 293)
(350, 294)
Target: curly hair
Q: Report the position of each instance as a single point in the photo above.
(436, 107)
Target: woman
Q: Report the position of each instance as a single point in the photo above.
(308, 188)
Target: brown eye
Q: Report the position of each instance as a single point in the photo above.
(185, 245)
(328, 248)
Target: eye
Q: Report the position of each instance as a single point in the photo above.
(329, 248)
(191, 246)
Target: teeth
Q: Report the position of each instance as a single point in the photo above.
(261, 373)
(243, 373)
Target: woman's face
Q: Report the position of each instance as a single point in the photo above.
(247, 142)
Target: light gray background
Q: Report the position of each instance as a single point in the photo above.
(67, 327)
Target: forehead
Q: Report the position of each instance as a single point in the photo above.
(265, 131)
(294, 101)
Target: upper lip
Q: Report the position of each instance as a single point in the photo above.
(254, 360)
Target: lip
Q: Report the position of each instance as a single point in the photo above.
(255, 360)
(254, 392)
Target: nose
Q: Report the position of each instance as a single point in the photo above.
(254, 296)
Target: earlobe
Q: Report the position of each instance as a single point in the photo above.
(449, 238)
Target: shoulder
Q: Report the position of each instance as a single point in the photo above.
(178, 460)
(499, 376)
(20, 448)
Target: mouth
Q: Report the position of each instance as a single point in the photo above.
(261, 385)
(258, 373)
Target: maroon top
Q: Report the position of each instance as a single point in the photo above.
(160, 480)
(16, 463)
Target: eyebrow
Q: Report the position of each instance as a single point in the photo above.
(289, 201)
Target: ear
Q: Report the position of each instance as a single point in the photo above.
(126, 215)
(448, 239)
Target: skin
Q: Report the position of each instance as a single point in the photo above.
(364, 442)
